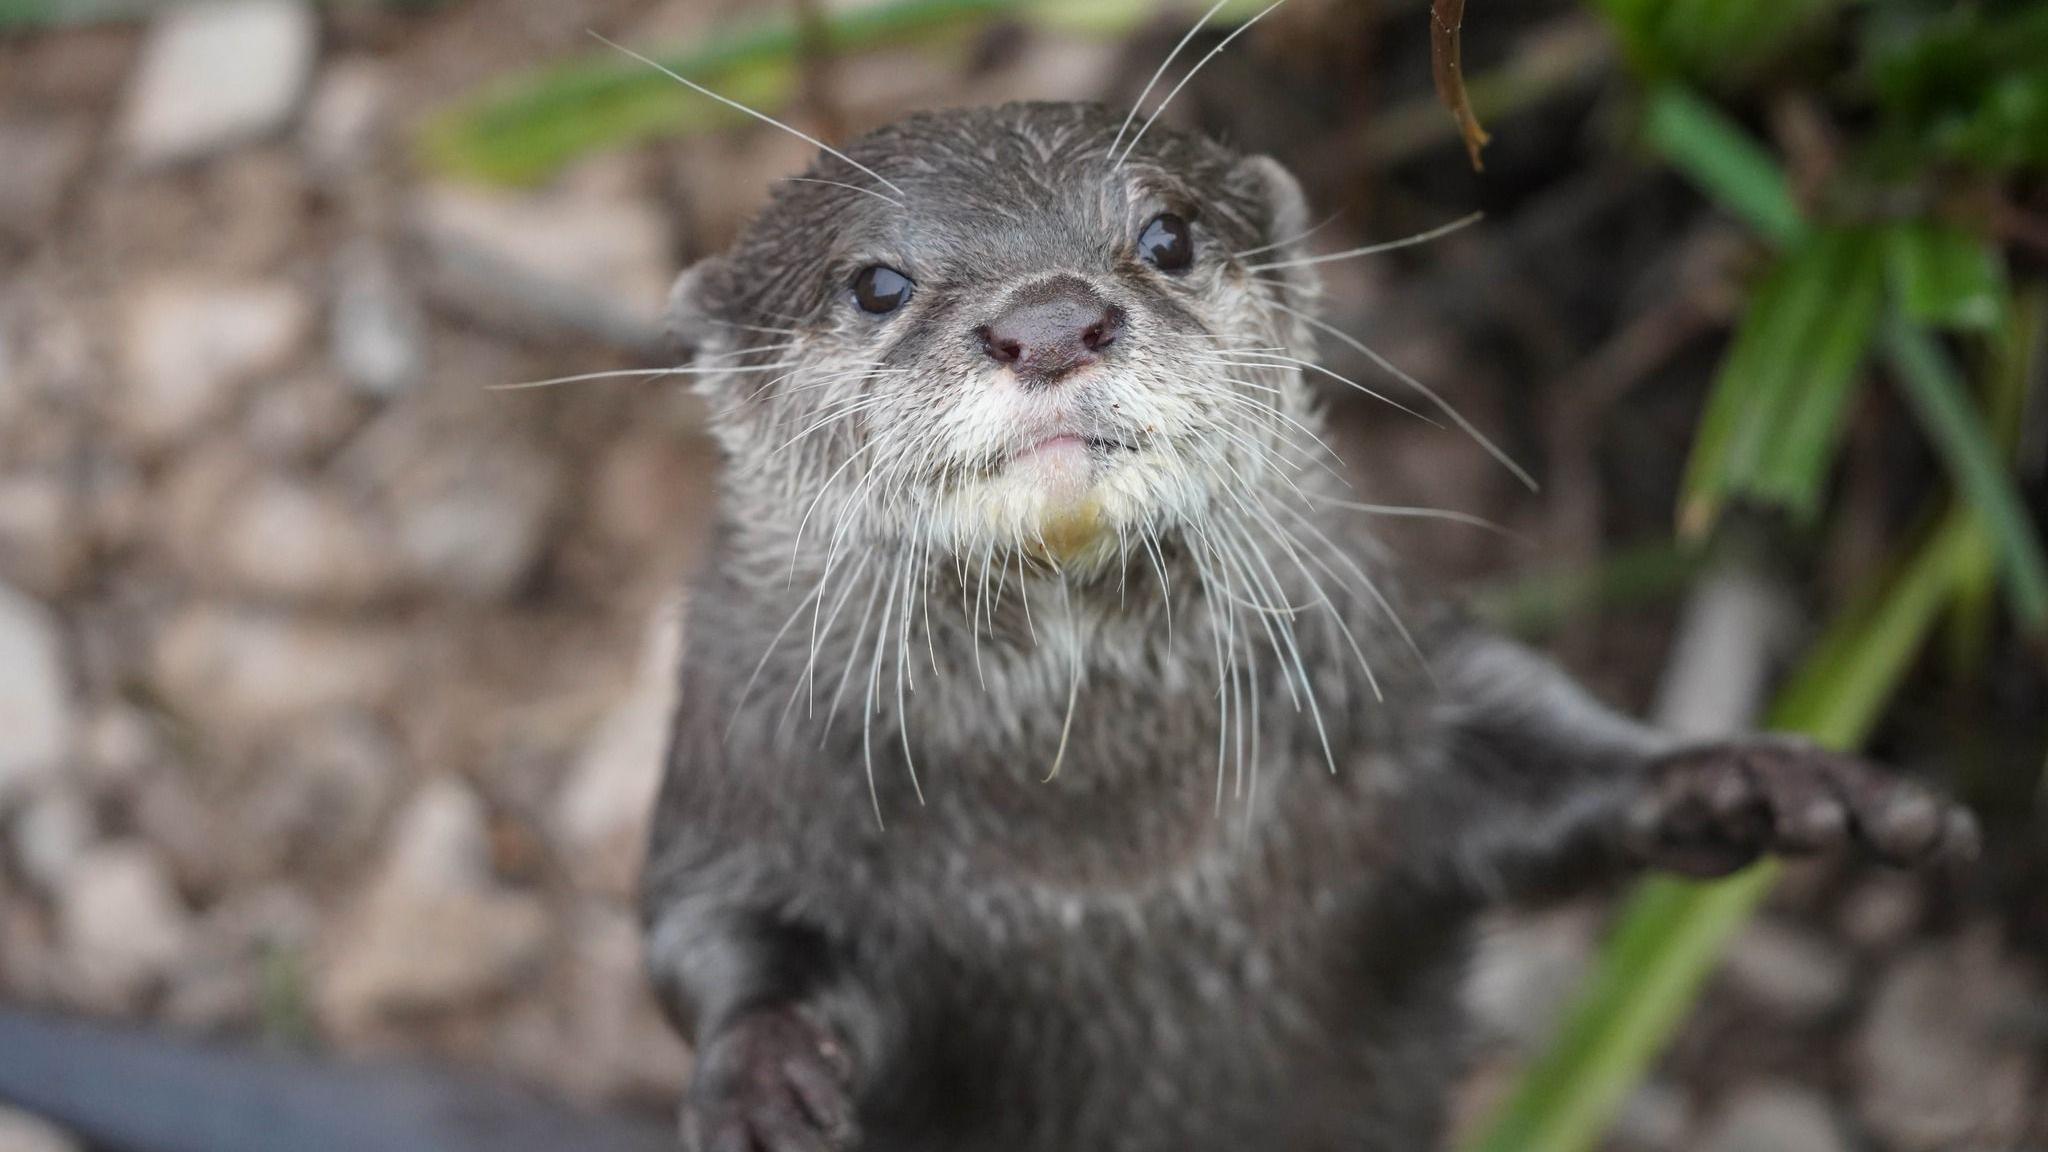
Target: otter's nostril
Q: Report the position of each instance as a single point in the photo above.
(1000, 349)
(1105, 331)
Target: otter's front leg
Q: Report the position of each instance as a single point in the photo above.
(1550, 793)
(782, 1034)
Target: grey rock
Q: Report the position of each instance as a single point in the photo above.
(1882, 912)
(587, 262)
(217, 75)
(473, 519)
(322, 800)
(40, 547)
(1774, 1119)
(435, 930)
(35, 695)
(1941, 1060)
(299, 422)
(118, 745)
(287, 539)
(189, 347)
(606, 1039)
(44, 157)
(379, 329)
(51, 837)
(123, 926)
(1526, 970)
(1797, 974)
(221, 983)
(601, 816)
(346, 120)
(1654, 1118)
(21, 1132)
(242, 671)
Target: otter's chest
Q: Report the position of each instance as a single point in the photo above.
(1111, 1015)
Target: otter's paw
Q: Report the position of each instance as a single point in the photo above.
(771, 1082)
(1709, 810)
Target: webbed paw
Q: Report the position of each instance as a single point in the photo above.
(1711, 809)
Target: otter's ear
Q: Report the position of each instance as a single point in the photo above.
(1265, 181)
(693, 327)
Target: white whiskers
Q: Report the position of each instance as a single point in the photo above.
(763, 117)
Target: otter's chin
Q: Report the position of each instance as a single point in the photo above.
(1060, 471)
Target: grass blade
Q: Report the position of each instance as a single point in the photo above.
(1738, 173)
(1952, 420)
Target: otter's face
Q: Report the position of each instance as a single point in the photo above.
(987, 334)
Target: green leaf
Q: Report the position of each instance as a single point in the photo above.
(1672, 933)
(1735, 171)
(523, 129)
(1946, 411)
(1947, 277)
(1772, 422)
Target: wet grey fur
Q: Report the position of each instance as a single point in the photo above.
(1236, 916)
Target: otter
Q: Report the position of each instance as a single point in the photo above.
(1056, 764)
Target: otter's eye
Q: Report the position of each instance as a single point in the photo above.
(881, 289)
(1167, 243)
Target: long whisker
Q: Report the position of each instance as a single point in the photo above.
(843, 184)
(1442, 405)
(1262, 249)
(763, 117)
(1139, 103)
(645, 373)
(1192, 73)
(1408, 511)
(1340, 378)
(1437, 233)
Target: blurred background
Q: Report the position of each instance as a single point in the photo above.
(332, 680)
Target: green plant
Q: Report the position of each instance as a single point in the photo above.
(1955, 101)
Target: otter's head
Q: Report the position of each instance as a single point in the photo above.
(982, 331)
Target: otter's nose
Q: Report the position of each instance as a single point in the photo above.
(1051, 330)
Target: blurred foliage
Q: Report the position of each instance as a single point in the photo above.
(526, 128)
(1890, 257)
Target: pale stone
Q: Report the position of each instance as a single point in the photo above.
(602, 814)
(435, 930)
(188, 349)
(1774, 1119)
(123, 925)
(21, 1132)
(596, 264)
(245, 670)
(35, 694)
(217, 75)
